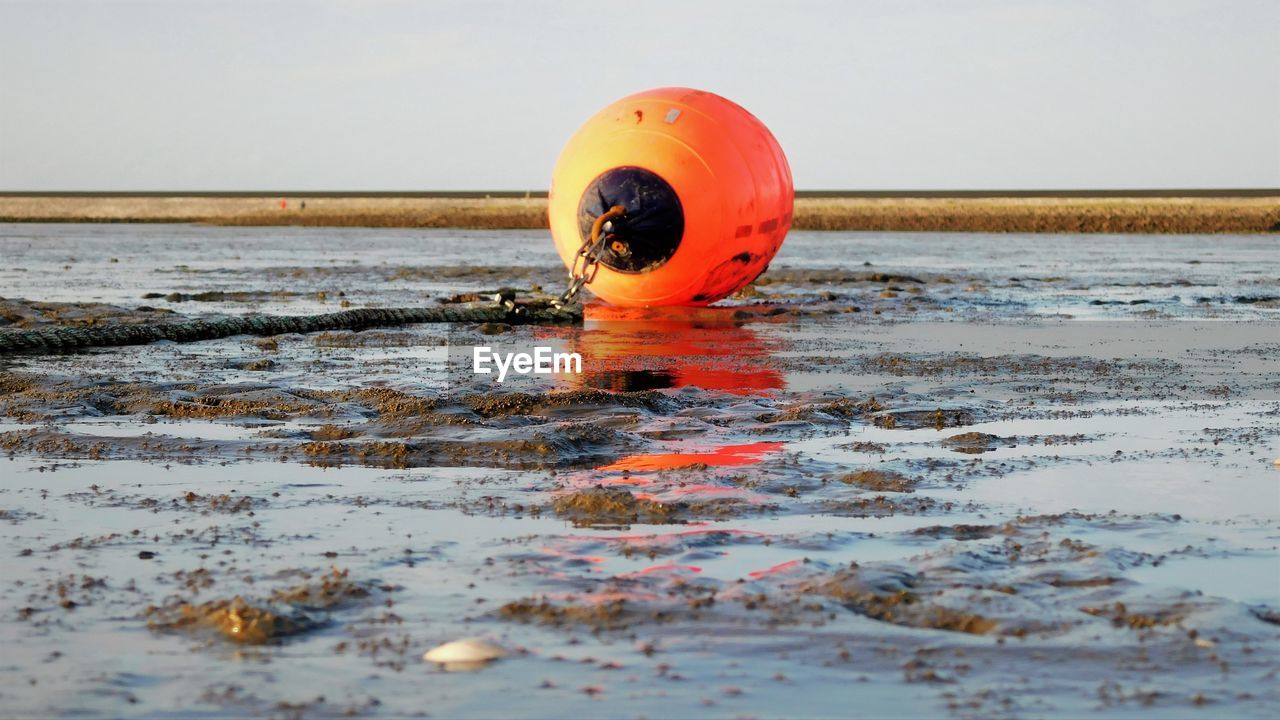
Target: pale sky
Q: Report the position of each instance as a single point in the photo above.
(390, 95)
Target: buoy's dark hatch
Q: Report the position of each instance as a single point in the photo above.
(650, 230)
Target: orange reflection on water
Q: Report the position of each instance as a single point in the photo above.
(703, 492)
(663, 568)
(627, 349)
(626, 480)
(779, 568)
(662, 537)
(727, 456)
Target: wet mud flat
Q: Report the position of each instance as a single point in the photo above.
(909, 475)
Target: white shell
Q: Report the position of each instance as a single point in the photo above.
(466, 651)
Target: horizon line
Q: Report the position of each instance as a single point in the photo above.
(542, 194)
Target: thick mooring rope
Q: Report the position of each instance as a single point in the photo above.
(68, 338)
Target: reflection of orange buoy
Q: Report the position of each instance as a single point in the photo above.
(725, 456)
(649, 349)
(700, 191)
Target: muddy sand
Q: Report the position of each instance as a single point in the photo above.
(903, 475)
(1064, 213)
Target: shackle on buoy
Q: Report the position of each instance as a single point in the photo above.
(669, 197)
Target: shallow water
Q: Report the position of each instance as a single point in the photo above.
(798, 530)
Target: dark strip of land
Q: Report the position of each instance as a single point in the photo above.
(1133, 211)
(542, 194)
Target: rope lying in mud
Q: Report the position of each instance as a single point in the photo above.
(67, 338)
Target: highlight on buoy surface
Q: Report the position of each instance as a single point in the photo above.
(670, 197)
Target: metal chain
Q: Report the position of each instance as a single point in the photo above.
(587, 258)
(586, 262)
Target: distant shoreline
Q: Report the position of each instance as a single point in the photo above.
(1134, 211)
(542, 194)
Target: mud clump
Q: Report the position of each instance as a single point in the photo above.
(233, 619)
(369, 338)
(384, 454)
(938, 617)
(962, 364)
(882, 506)
(329, 433)
(1062, 581)
(601, 505)
(1267, 615)
(840, 410)
(248, 623)
(257, 365)
(34, 396)
(879, 480)
(12, 383)
(958, 532)
(939, 419)
(571, 444)
(218, 296)
(974, 443)
(49, 444)
(1121, 616)
(502, 404)
(892, 598)
(493, 328)
(864, 446)
(268, 404)
(18, 313)
(218, 503)
(332, 591)
(611, 615)
(388, 403)
(831, 276)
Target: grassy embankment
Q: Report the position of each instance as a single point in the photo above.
(1062, 214)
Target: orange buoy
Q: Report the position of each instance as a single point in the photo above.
(682, 197)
